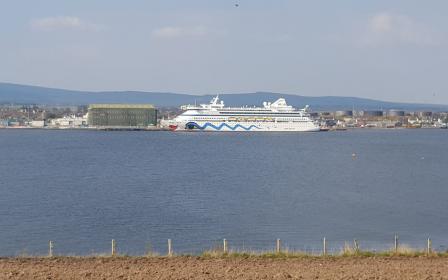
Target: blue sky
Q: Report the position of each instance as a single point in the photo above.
(384, 49)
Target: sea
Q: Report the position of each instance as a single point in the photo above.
(81, 189)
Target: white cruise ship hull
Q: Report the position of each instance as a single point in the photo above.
(248, 126)
(277, 116)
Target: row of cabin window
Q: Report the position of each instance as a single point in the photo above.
(220, 119)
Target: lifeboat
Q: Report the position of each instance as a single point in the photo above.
(172, 127)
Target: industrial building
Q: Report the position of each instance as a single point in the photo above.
(396, 113)
(4, 123)
(344, 113)
(425, 114)
(122, 115)
(372, 113)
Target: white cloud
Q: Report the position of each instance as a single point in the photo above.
(392, 29)
(169, 32)
(63, 23)
(381, 23)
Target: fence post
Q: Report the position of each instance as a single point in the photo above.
(50, 248)
(396, 243)
(429, 247)
(224, 245)
(170, 249)
(278, 245)
(355, 242)
(113, 248)
(325, 246)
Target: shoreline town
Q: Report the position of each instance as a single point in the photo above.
(215, 116)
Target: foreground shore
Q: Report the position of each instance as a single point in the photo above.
(224, 268)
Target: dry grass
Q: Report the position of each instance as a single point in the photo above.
(149, 252)
(348, 250)
(285, 253)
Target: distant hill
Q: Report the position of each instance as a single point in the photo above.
(23, 94)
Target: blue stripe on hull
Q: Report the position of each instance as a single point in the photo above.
(192, 125)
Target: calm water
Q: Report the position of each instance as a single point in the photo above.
(83, 188)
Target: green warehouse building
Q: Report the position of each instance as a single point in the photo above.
(122, 115)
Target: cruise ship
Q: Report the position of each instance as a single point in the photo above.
(276, 116)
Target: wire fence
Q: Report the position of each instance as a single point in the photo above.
(171, 247)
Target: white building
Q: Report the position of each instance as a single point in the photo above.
(37, 124)
(71, 121)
